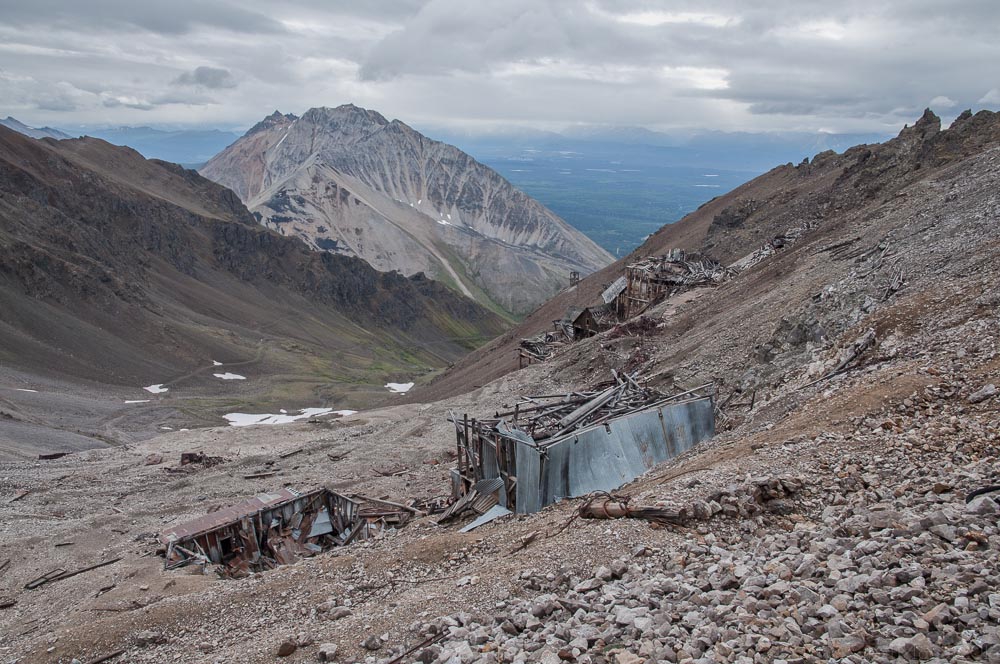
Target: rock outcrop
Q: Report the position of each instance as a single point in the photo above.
(348, 181)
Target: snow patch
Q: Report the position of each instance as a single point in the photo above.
(449, 216)
(419, 201)
(282, 139)
(399, 388)
(216, 363)
(250, 419)
(24, 389)
(137, 401)
(444, 223)
(710, 175)
(230, 376)
(156, 389)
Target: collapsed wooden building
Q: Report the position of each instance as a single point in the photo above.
(655, 278)
(562, 446)
(265, 531)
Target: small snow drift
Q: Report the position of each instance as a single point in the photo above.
(399, 388)
(24, 389)
(156, 389)
(230, 376)
(137, 401)
(216, 363)
(250, 419)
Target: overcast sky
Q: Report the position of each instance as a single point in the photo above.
(849, 65)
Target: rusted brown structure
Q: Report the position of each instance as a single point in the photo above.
(267, 530)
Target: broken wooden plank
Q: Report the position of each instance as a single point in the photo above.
(412, 510)
(43, 579)
(60, 574)
(256, 476)
(105, 658)
(19, 495)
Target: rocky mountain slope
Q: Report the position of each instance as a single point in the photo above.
(348, 181)
(848, 516)
(118, 271)
(829, 199)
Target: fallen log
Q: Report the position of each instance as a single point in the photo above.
(618, 508)
(107, 657)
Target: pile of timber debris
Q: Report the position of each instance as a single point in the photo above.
(681, 269)
(541, 346)
(658, 277)
(550, 416)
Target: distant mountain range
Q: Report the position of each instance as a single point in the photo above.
(189, 147)
(615, 184)
(349, 181)
(33, 132)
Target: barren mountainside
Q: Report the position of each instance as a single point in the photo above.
(829, 199)
(121, 271)
(348, 181)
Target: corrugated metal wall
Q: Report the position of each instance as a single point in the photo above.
(605, 457)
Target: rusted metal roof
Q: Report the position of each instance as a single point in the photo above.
(228, 515)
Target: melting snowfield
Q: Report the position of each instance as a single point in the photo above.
(249, 419)
(230, 376)
(399, 388)
(156, 389)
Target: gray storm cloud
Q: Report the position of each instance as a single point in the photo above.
(779, 64)
(214, 78)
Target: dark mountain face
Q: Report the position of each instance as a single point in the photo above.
(121, 270)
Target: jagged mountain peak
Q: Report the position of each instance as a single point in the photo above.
(276, 119)
(345, 113)
(348, 180)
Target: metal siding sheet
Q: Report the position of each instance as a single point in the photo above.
(604, 458)
(529, 496)
(488, 464)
